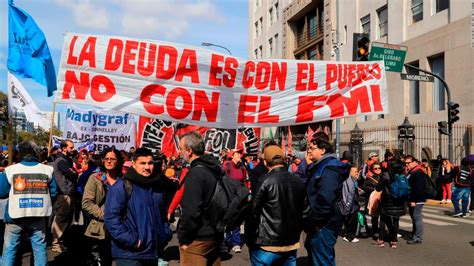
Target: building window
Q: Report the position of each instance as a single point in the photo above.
(440, 5)
(300, 56)
(276, 11)
(256, 29)
(256, 53)
(261, 25)
(270, 16)
(416, 10)
(312, 53)
(365, 23)
(383, 21)
(437, 67)
(414, 90)
(260, 51)
(344, 36)
(276, 42)
(312, 26)
(270, 46)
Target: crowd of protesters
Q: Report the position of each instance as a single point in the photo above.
(119, 204)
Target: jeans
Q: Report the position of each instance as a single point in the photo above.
(463, 194)
(35, 229)
(232, 237)
(260, 257)
(417, 221)
(129, 262)
(320, 247)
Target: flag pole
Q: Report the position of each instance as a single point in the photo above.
(51, 129)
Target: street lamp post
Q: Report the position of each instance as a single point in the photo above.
(406, 137)
(357, 138)
(208, 44)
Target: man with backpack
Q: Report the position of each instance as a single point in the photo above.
(417, 198)
(462, 191)
(135, 213)
(279, 200)
(324, 190)
(199, 240)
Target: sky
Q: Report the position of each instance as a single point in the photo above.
(190, 22)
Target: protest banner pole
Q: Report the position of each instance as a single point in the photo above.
(51, 129)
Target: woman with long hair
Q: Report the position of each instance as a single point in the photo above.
(93, 201)
(446, 177)
(368, 186)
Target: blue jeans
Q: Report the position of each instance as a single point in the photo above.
(35, 230)
(130, 262)
(260, 257)
(463, 194)
(232, 237)
(320, 247)
(417, 222)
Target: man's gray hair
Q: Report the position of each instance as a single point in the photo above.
(28, 149)
(194, 141)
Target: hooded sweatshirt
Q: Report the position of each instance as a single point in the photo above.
(199, 187)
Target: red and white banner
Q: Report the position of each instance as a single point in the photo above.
(159, 135)
(191, 85)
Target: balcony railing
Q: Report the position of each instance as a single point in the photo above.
(309, 35)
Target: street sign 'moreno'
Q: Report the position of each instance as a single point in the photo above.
(393, 55)
(417, 77)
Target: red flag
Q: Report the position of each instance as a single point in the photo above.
(290, 142)
(310, 134)
(283, 143)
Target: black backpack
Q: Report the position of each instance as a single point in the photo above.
(463, 177)
(229, 204)
(430, 187)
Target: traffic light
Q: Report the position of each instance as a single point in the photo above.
(453, 112)
(360, 47)
(443, 128)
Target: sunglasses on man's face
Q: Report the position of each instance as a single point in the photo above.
(377, 168)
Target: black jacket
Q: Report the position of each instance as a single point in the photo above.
(417, 182)
(66, 177)
(279, 209)
(390, 206)
(198, 189)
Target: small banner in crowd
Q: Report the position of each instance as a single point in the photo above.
(20, 101)
(162, 135)
(103, 128)
(191, 85)
(78, 145)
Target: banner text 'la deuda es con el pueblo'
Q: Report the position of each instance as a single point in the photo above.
(197, 86)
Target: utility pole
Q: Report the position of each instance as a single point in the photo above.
(337, 50)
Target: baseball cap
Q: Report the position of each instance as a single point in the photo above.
(373, 154)
(272, 152)
(231, 152)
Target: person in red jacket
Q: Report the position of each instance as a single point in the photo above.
(235, 169)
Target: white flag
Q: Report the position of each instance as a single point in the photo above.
(20, 101)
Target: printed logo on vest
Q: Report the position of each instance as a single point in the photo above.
(31, 203)
(30, 184)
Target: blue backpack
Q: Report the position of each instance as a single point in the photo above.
(399, 187)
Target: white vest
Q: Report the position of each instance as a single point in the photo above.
(29, 192)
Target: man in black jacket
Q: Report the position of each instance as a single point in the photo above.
(279, 210)
(417, 198)
(66, 179)
(199, 240)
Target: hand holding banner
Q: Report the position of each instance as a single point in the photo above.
(192, 85)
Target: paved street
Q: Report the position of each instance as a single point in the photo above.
(448, 241)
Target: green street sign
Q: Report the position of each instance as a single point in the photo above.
(393, 55)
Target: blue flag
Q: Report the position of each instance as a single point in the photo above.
(28, 52)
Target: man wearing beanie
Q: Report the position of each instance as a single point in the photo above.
(279, 199)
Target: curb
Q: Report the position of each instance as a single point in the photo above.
(432, 202)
